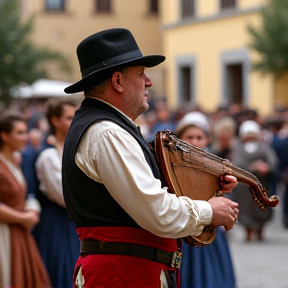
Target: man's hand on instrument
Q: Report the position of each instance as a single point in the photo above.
(225, 212)
(228, 183)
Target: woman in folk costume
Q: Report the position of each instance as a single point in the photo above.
(20, 261)
(210, 266)
(55, 234)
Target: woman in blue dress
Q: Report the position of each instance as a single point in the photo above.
(210, 266)
(55, 234)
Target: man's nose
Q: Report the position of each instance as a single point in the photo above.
(148, 82)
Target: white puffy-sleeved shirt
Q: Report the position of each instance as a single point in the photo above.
(110, 155)
(49, 173)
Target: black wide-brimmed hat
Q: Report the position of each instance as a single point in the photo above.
(106, 50)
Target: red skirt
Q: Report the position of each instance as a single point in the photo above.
(121, 271)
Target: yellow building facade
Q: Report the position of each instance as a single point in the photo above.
(62, 24)
(208, 61)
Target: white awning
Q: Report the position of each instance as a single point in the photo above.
(42, 88)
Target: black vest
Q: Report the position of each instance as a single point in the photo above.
(89, 204)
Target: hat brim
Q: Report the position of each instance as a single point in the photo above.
(147, 61)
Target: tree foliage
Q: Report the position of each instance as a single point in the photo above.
(20, 59)
(270, 40)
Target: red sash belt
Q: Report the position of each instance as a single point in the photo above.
(122, 270)
(127, 235)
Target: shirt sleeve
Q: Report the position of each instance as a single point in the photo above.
(110, 155)
(49, 173)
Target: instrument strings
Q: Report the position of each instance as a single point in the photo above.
(193, 150)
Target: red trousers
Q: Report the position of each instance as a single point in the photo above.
(121, 271)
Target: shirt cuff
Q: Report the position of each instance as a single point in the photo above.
(205, 215)
(205, 212)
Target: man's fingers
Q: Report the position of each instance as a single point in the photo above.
(230, 179)
(229, 223)
(236, 211)
(225, 212)
(234, 205)
(228, 183)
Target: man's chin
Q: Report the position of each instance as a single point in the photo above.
(146, 107)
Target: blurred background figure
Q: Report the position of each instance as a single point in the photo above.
(210, 266)
(224, 137)
(257, 157)
(163, 120)
(55, 234)
(280, 145)
(20, 262)
(29, 155)
(35, 138)
(142, 122)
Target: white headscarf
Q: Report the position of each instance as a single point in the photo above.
(197, 119)
(249, 128)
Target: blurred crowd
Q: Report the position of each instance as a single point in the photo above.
(224, 140)
(253, 142)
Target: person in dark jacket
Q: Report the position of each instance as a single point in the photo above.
(280, 146)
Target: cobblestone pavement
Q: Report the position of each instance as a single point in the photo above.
(261, 264)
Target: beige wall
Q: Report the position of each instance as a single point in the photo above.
(205, 39)
(64, 31)
(248, 3)
(205, 8)
(170, 11)
(281, 90)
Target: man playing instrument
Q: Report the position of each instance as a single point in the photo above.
(127, 222)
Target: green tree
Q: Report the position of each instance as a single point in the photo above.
(20, 59)
(270, 39)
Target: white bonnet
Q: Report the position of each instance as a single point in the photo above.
(197, 119)
(249, 128)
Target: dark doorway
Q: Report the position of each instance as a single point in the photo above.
(185, 84)
(188, 8)
(234, 83)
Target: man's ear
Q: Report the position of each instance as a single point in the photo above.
(117, 81)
